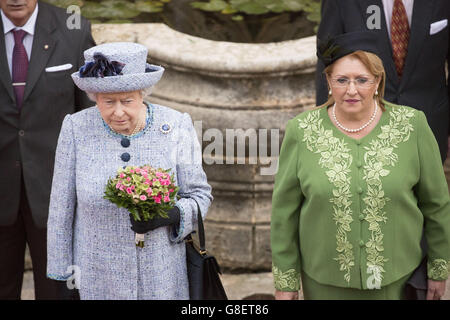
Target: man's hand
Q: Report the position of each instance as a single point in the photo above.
(286, 295)
(436, 289)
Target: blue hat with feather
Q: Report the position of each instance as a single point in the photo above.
(117, 67)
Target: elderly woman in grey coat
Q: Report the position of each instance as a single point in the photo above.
(91, 235)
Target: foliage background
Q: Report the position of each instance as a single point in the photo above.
(226, 20)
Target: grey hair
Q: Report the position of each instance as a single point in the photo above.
(144, 93)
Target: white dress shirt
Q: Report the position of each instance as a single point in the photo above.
(389, 6)
(8, 27)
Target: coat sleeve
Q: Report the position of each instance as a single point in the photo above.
(330, 25)
(191, 179)
(286, 201)
(433, 200)
(62, 206)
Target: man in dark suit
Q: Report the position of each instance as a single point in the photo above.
(416, 75)
(39, 50)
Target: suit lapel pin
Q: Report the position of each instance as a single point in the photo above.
(46, 47)
(165, 128)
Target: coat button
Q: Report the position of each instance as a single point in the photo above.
(361, 217)
(125, 142)
(125, 157)
(359, 190)
(359, 164)
(21, 133)
(361, 243)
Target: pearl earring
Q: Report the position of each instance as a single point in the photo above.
(329, 92)
(376, 92)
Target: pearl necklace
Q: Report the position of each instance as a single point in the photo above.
(358, 129)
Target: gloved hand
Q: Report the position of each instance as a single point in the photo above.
(143, 227)
(64, 293)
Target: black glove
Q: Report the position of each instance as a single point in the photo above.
(64, 293)
(143, 227)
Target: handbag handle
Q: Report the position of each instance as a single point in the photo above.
(201, 230)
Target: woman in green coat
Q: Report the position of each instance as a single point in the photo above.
(359, 179)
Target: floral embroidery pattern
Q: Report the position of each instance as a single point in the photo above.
(336, 159)
(438, 269)
(378, 157)
(289, 280)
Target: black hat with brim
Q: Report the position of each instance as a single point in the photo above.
(333, 48)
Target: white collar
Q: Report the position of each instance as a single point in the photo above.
(28, 26)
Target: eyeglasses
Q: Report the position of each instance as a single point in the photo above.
(359, 82)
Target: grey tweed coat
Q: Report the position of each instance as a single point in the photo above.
(89, 232)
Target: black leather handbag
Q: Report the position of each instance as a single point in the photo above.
(202, 268)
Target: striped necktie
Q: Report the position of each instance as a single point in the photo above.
(19, 66)
(399, 36)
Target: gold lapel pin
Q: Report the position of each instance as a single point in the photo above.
(46, 47)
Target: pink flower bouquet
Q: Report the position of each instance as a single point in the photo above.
(144, 191)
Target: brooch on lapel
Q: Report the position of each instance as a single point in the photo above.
(165, 128)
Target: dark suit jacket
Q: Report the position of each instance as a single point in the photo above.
(28, 137)
(423, 84)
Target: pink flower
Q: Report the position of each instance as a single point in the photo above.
(121, 188)
(147, 181)
(159, 174)
(171, 190)
(143, 197)
(133, 187)
(145, 175)
(122, 175)
(132, 171)
(129, 191)
(166, 199)
(149, 190)
(128, 179)
(118, 186)
(157, 199)
(138, 170)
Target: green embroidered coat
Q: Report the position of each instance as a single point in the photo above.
(350, 213)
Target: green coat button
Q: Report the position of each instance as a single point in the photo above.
(360, 190)
(361, 217)
(361, 243)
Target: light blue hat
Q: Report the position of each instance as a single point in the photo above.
(117, 67)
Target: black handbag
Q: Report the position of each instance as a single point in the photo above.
(202, 268)
(417, 285)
